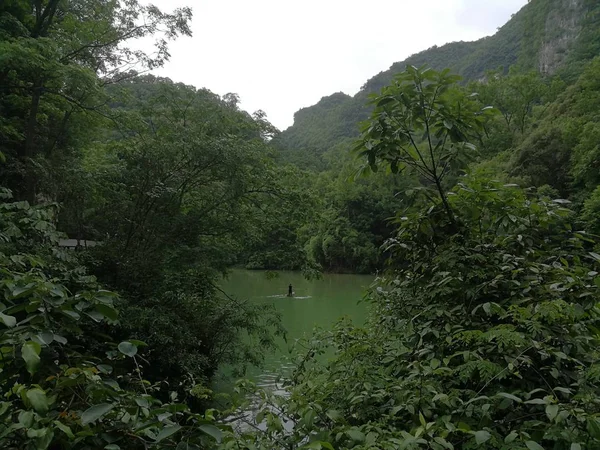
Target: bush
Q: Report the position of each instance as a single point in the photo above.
(481, 337)
(64, 385)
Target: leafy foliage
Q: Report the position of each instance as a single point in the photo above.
(483, 330)
(164, 177)
(353, 219)
(58, 392)
(422, 123)
(56, 56)
(487, 335)
(172, 199)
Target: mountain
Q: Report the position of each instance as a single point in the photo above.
(554, 37)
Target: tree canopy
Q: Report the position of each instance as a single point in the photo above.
(475, 199)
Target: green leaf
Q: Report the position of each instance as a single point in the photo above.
(38, 400)
(4, 407)
(593, 428)
(142, 402)
(464, 426)
(42, 436)
(532, 445)
(95, 316)
(552, 411)
(482, 436)
(128, 349)
(309, 418)
(65, 429)
(58, 292)
(9, 321)
(30, 352)
(356, 435)
(105, 368)
(443, 442)
(575, 446)
(107, 311)
(46, 337)
(213, 431)
(71, 314)
(334, 415)
(22, 291)
(95, 412)
(26, 418)
(167, 431)
(510, 396)
(536, 401)
(60, 339)
(511, 437)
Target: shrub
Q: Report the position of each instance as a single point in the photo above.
(485, 336)
(64, 385)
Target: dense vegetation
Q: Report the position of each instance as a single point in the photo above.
(520, 70)
(477, 198)
(484, 331)
(167, 179)
(548, 36)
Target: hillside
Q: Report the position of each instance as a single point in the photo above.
(549, 36)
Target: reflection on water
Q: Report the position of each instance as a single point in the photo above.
(316, 303)
(294, 297)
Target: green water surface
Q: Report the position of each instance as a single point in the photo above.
(315, 303)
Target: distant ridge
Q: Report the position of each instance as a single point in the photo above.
(550, 36)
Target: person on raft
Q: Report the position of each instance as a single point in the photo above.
(290, 291)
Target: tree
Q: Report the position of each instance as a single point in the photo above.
(64, 384)
(354, 219)
(278, 218)
(424, 122)
(485, 338)
(55, 57)
(178, 182)
(514, 95)
(173, 196)
(544, 157)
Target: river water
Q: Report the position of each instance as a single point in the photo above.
(315, 303)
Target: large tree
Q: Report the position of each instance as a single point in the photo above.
(424, 122)
(174, 193)
(55, 56)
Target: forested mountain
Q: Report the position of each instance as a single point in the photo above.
(526, 71)
(475, 198)
(547, 36)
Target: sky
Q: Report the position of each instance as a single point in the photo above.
(283, 55)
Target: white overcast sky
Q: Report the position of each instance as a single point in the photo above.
(283, 55)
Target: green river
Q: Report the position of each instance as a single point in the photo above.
(315, 303)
